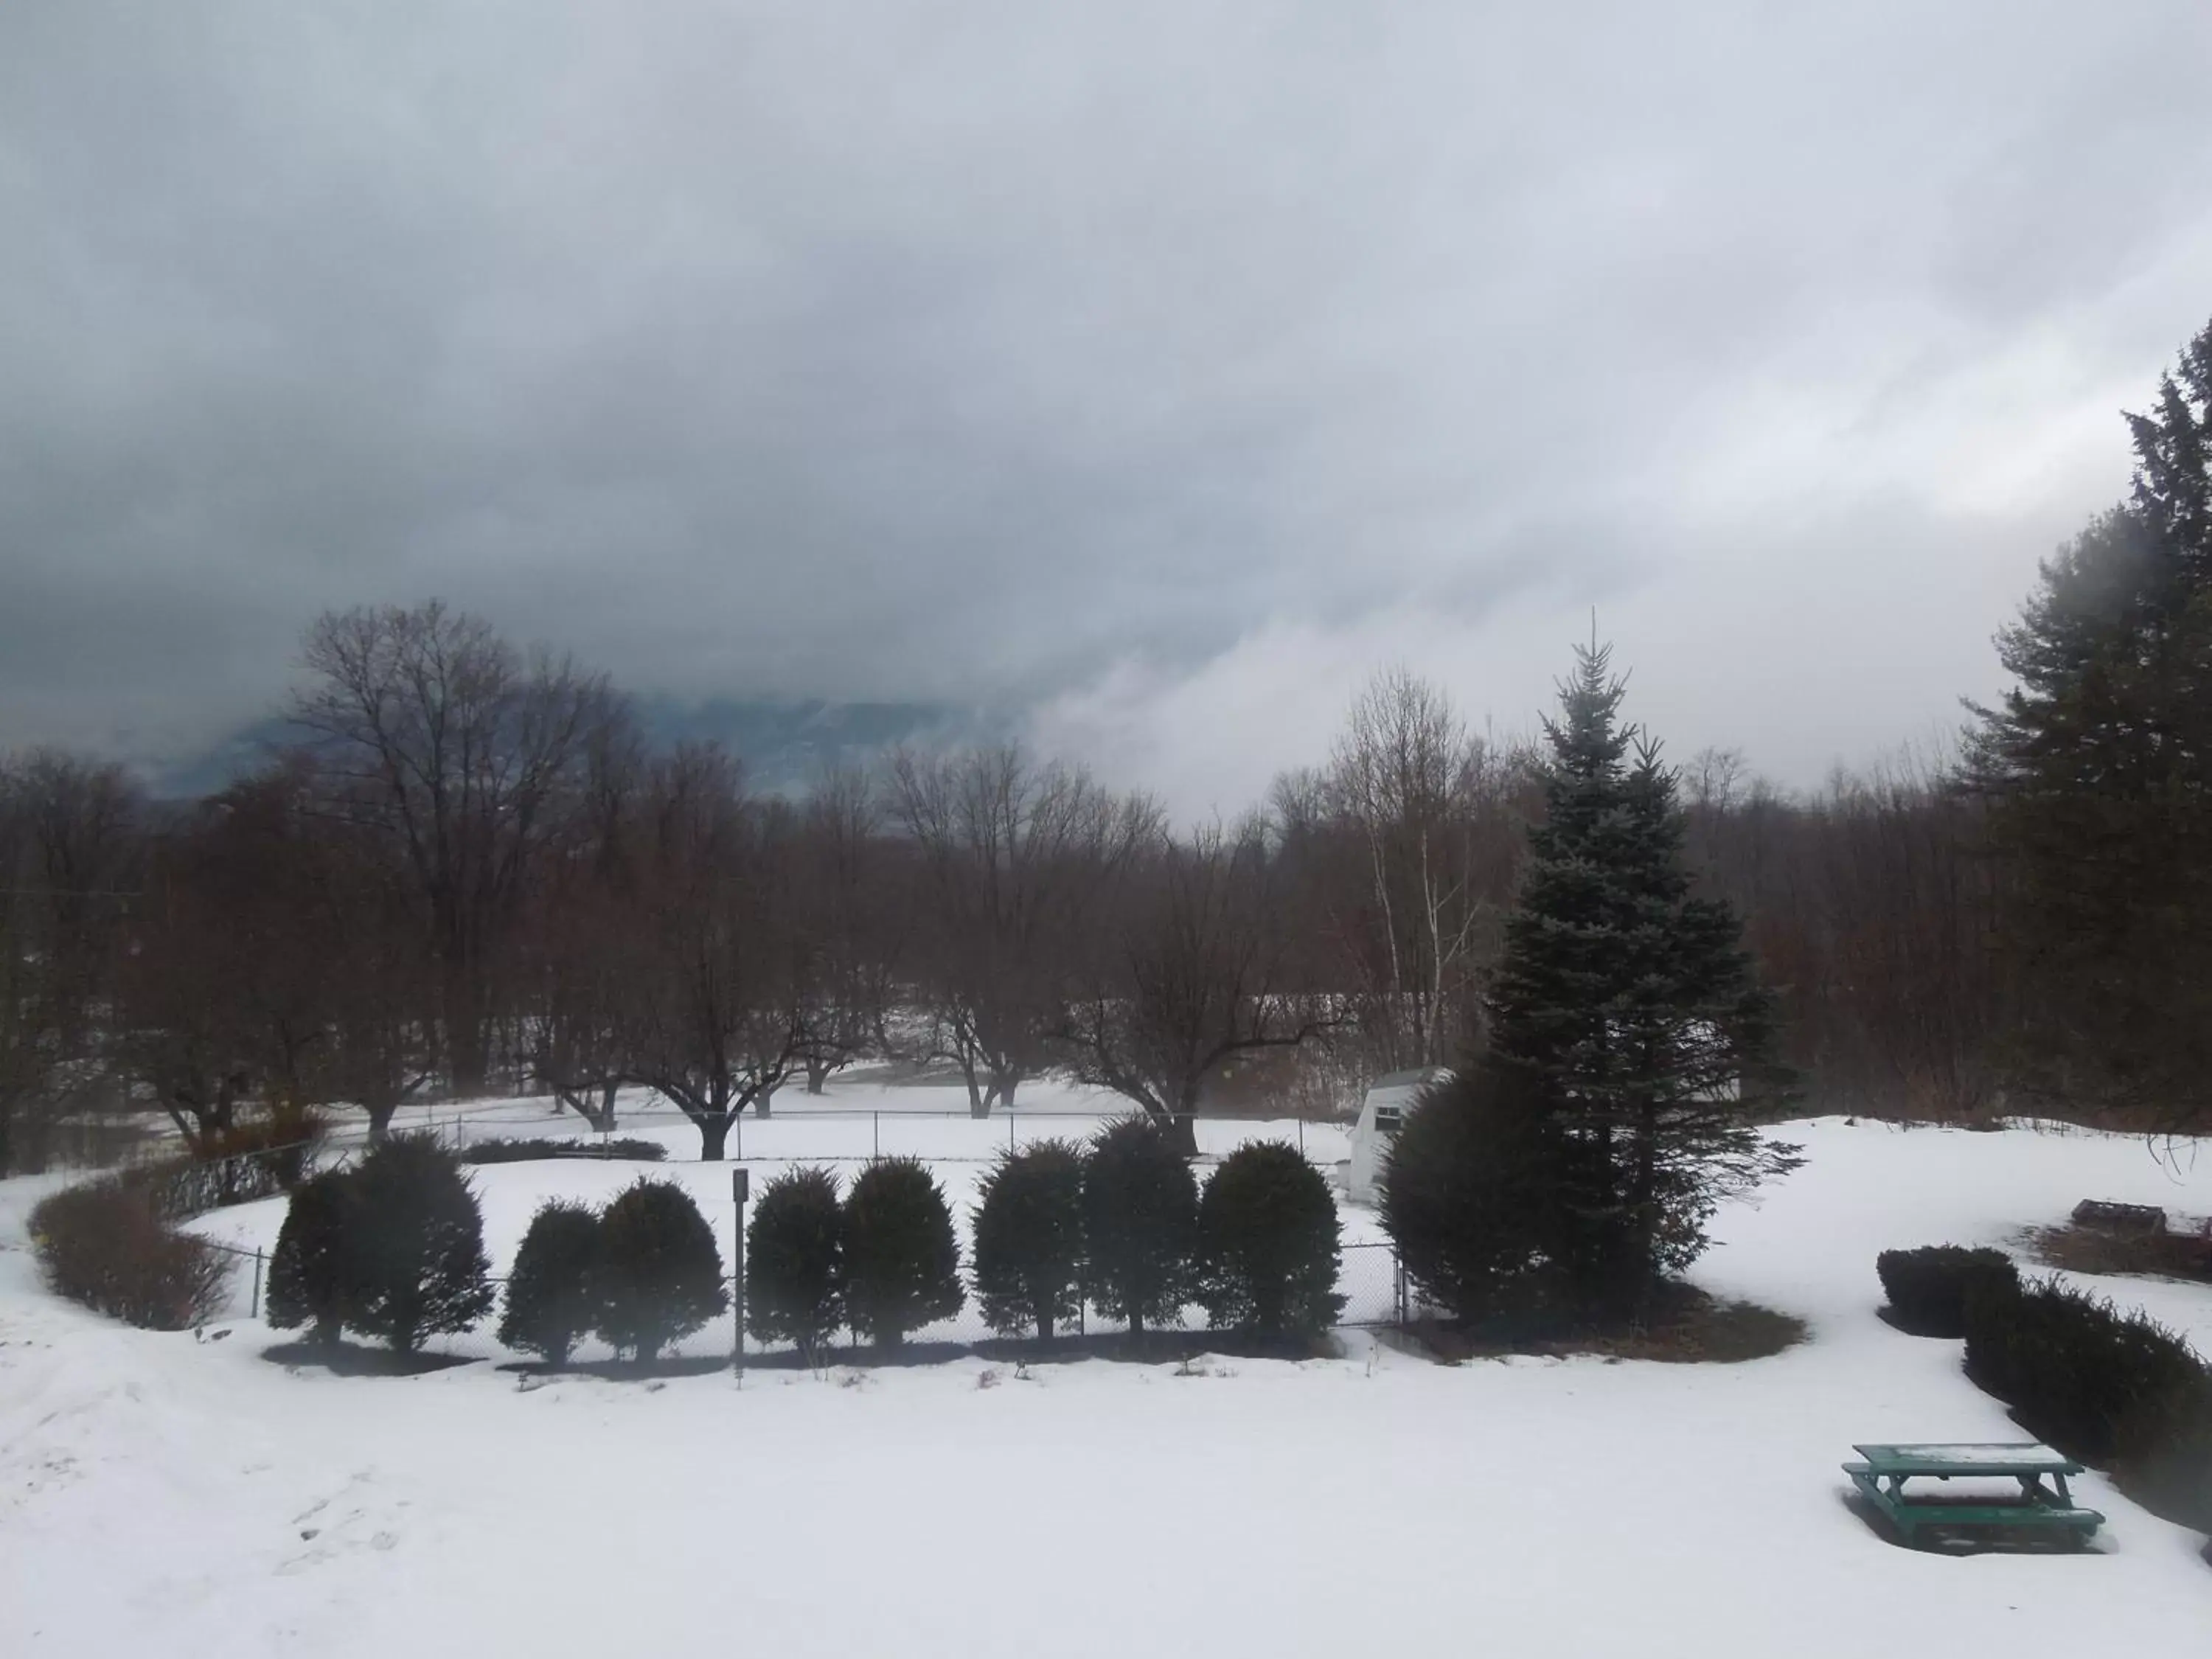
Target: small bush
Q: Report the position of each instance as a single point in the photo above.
(529, 1151)
(1029, 1239)
(1267, 1235)
(102, 1244)
(795, 1262)
(307, 1275)
(660, 1274)
(902, 1263)
(414, 1256)
(1469, 1200)
(2095, 1383)
(1139, 1223)
(1928, 1287)
(548, 1292)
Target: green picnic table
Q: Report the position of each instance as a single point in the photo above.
(1883, 1475)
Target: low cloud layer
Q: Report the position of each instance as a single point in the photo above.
(1154, 373)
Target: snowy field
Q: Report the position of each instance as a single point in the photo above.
(163, 1495)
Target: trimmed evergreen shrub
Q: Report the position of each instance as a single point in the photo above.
(103, 1245)
(1928, 1287)
(795, 1262)
(1470, 1197)
(1029, 1239)
(902, 1263)
(549, 1291)
(528, 1151)
(1139, 1223)
(1268, 1243)
(307, 1274)
(413, 1255)
(660, 1273)
(2095, 1383)
(2164, 1454)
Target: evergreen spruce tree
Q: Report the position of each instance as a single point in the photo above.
(901, 1260)
(412, 1244)
(659, 1272)
(795, 1262)
(1139, 1223)
(1029, 1239)
(1631, 1007)
(549, 1290)
(307, 1272)
(2098, 770)
(1268, 1243)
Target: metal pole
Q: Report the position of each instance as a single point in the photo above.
(253, 1308)
(737, 1185)
(876, 1128)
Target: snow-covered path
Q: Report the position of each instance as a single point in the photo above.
(160, 1495)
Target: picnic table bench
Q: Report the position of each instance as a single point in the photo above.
(1882, 1475)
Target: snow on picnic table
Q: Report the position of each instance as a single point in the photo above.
(164, 1495)
(2018, 1453)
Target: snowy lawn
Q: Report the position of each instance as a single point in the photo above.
(163, 1495)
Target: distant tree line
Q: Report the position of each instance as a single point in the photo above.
(471, 870)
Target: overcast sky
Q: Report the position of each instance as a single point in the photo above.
(1156, 370)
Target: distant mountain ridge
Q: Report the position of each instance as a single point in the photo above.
(783, 745)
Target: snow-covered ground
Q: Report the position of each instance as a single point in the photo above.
(164, 1495)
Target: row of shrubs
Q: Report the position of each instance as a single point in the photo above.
(623, 1147)
(1121, 1222)
(392, 1250)
(2114, 1389)
(108, 1244)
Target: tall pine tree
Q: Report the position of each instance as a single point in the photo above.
(2098, 766)
(1632, 1006)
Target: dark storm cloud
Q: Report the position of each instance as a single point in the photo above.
(1121, 363)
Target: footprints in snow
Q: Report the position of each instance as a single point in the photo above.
(343, 1523)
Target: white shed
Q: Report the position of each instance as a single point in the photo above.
(1388, 1098)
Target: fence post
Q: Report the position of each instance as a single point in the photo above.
(876, 1130)
(253, 1307)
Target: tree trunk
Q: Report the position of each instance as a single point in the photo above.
(466, 1059)
(713, 1136)
(817, 1074)
(604, 1122)
(380, 1117)
(1182, 1130)
(764, 1101)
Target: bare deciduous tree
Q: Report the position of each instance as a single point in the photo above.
(579, 947)
(849, 923)
(69, 854)
(441, 736)
(1185, 971)
(712, 1020)
(1011, 860)
(1407, 846)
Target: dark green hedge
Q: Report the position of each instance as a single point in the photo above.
(1928, 1287)
(2113, 1388)
(525, 1151)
